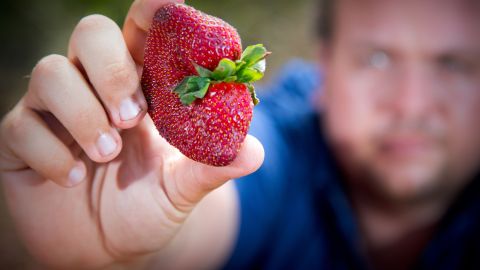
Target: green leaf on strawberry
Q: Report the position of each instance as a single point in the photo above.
(253, 54)
(248, 69)
(191, 88)
(224, 70)
(253, 94)
(249, 75)
(202, 72)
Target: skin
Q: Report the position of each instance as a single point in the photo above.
(401, 111)
(401, 124)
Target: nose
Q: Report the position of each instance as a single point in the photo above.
(414, 94)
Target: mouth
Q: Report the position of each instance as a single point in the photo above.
(407, 146)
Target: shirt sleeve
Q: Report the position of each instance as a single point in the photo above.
(261, 194)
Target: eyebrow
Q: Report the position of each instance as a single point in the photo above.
(471, 52)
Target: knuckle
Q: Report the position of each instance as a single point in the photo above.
(50, 65)
(119, 75)
(13, 126)
(10, 126)
(92, 23)
(48, 69)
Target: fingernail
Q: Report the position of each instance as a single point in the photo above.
(129, 109)
(106, 144)
(77, 174)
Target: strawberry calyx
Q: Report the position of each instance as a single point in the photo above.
(250, 68)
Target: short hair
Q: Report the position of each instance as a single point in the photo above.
(325, 20)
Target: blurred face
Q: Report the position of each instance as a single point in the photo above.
(403, 94)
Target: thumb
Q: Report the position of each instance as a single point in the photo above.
(187, 181)
(138, 22)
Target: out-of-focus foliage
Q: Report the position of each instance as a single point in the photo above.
(30, 29)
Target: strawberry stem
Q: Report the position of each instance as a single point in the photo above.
(250, 68)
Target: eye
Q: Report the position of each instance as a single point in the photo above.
(378, 60)
(454, 65)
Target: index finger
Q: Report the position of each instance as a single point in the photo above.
(138, 22)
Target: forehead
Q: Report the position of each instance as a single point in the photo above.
(429, 24)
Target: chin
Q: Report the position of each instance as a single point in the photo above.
(408, 182)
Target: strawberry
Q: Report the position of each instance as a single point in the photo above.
(197, 83)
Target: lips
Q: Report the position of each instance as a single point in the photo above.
(408, 146)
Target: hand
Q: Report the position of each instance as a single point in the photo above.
(87, 178)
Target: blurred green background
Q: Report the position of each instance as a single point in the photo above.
(31, 29)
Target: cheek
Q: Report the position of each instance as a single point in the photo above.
(464, 129)
(350, 112)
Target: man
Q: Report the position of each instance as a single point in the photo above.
(378, 173)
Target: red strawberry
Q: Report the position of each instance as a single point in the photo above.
(198, 83)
